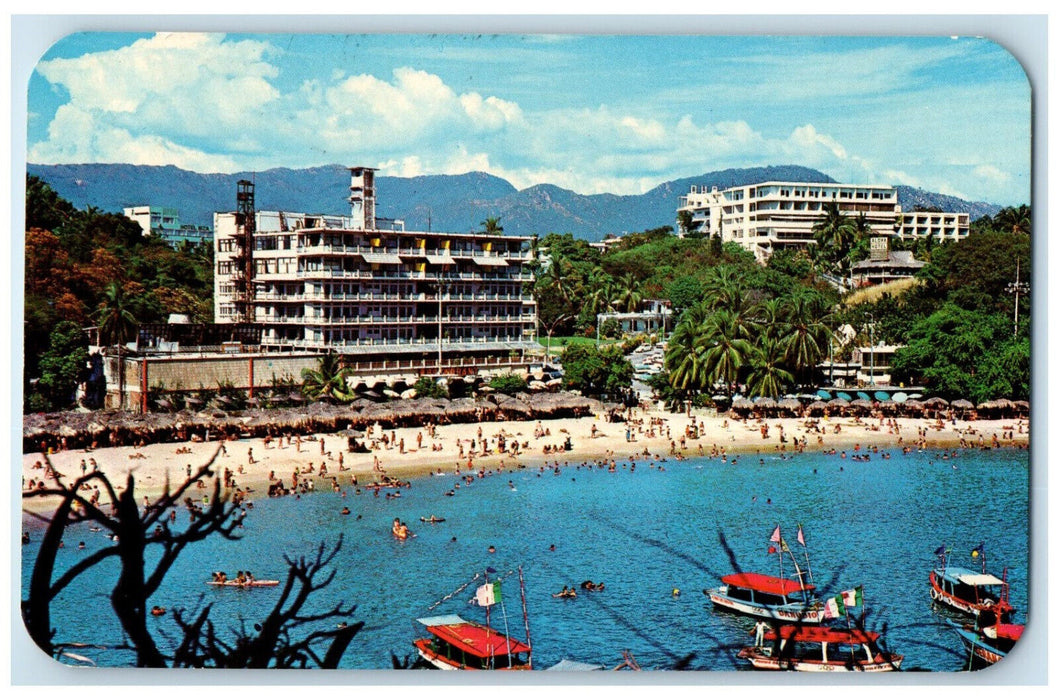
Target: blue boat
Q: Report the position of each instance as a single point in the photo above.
(987, 645)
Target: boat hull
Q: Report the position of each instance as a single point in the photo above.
(813, 615)
(764, 661)
(982, 650)
(249, 584)
(443, 663)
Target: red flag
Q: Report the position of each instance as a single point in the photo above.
(772, 550)
(775, 535)
(801, 537)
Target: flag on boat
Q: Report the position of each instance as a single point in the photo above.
(940, 550)
(487, 594)
(834, 607)
(853, 597)
(980, 549)
(783, 546)
(772, 549)
(775, 535)
(801, 535)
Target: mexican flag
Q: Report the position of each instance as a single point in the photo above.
(487, 594)
(834, 607)
(854, 597)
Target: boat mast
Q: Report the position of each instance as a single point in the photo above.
(487, 607)
(525, 618)
(809, 568)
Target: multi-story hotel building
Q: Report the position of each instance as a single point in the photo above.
(365, 288)
(770, 216)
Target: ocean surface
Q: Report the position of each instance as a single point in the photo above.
(643, 532)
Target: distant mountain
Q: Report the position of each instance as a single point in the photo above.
(431, 202)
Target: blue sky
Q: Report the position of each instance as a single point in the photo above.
(592, 113)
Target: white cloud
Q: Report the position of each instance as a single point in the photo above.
(209, 103)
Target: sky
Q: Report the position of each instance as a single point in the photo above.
(591, 113)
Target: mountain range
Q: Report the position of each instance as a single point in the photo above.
(456, 203)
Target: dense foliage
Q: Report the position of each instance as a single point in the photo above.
(91, 268)
(596, 371)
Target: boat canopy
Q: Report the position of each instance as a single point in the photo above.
(968, 577)
(766, 583)
(820, 635)
(980, 580)
(472, 638)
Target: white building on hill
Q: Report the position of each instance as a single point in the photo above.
(770, 216)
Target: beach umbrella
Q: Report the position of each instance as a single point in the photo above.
(844, 396)
(888, 407)
(900, 397)
(861, 405)
(1022, 405)
(790, 404)
(554, 382)
(537, 385)
(936, 402)
(915, 396)
(826, 396)
(963, 404)
(742, 404)
(863, 396)
(882, 396)
(765, 402)
(838, 403)
(914, 407)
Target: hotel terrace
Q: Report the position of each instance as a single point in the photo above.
(770, 216)
(417, 302)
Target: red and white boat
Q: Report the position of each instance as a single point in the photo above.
(770, 597)
(454, 644)
(818, 650)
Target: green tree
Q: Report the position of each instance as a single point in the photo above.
(62, 366)
(427, 387)
(767, 376)
(492, 226)
(509, 383)
(595, 371)
(328, 381)
(684, 292)
(726, 347)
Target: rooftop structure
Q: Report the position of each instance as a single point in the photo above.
(367, 289)
(769, 216)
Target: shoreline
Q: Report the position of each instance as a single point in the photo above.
(450, 449)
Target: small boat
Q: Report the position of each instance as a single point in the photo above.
(255, 583)
(818, 649)
(431, 519)
(455, 644)
(987, 645)
(972, 593)
(770, 597)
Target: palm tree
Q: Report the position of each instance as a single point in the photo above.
(328, 382)
(767, 376)
(806, 332)
(492, 226)
(1014, 219)
(628, 294)
(683, 358)
(726, 348)
(117, 326)
(723, 288)
(834, 232)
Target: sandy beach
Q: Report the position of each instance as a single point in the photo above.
(408, 452)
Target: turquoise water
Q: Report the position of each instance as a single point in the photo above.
(643, 532)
